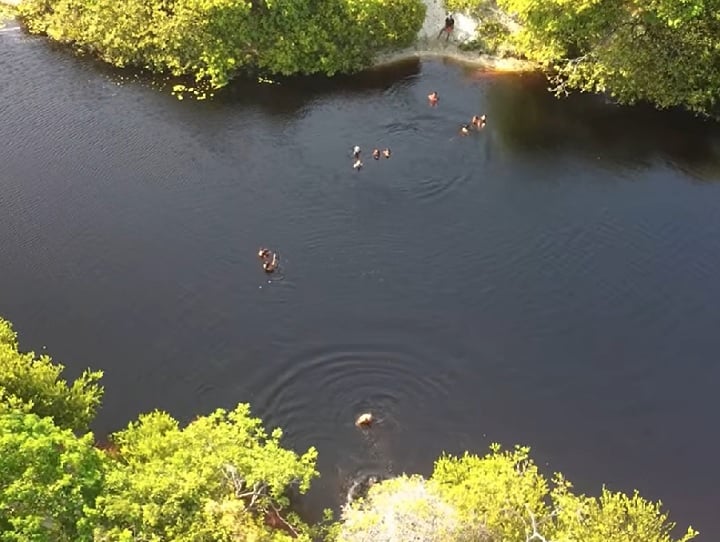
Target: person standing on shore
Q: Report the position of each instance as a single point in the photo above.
(448, 28)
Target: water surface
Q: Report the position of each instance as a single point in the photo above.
(550, 280)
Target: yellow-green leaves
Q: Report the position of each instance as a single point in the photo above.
(49, 479)
(35, 381)
(666, 52)
(214, 480)
(214, 40)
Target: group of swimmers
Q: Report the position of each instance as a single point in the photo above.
(477, 122)
(357, 164)
(269, 260)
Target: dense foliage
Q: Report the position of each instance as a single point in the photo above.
(49, 479)
(666, 52)
(219, 479)
(213, 40)
(33, 384)
(405, 508)
(223, 478)
(501, 497)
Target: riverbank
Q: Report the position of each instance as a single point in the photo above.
(430, 44)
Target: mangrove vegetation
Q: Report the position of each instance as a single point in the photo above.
(665, 52)
(224, 478)
(214, 40)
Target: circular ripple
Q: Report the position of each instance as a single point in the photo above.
(319, 393)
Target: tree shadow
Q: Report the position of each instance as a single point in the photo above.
(531, 120)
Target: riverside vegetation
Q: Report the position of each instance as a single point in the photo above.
(214, 40)
(666, 52)
(223, 478)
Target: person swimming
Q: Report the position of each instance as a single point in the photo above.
(478, 122)
(433, 98)
(386, 153)
(376, 154)
(264, 253)
(465, 129)
(269, 266)
(358, 164)
(356, 152)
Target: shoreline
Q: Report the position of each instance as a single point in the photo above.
(470, 58)
(429, 44)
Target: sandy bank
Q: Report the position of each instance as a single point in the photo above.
(428, 45)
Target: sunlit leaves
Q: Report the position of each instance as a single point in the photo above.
(49, 479)
(214, 40)
(499, 497)
(35, 382)
(663, 51)
(213, 480)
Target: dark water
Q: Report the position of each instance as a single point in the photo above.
(550, 281)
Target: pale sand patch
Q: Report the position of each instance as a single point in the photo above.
(428, 44)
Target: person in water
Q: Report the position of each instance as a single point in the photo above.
(448, 28)
(465, 129)
(264, 253)
(433, 98)
(476, 121)
(356, 152)
(358, 164)
(376, 154)
(386, 153)
(269, 266)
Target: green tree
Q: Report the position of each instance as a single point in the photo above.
(214, 40)
(221, 478)
(501, 497)
(49, 479)
(495, 492)
(35, 382)
(666, 52)
(405, 509)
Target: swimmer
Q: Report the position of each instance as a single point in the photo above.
(386, 153)
(264, 253)
(376, 154)
(356, 152)
(358, 164)
(433, 98)
(364, 420)
(476, 121)
(465, 129)
(483, 119)
(269, 266)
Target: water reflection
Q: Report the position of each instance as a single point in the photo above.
(532, 121)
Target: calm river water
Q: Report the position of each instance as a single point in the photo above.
(551, 280)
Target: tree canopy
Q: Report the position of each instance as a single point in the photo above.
(220, 479)
(501, 497)
(33, 383)
(213, 40)
(223, 478)
(666, 52)
(49, 479)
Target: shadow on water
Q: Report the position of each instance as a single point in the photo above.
(288, 95)
(282, 96)
(531, 120)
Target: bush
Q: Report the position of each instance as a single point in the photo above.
(33, 384)
(220, 479)
(49, 479)
(501, 497)
(405, 509)
(213, 40)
